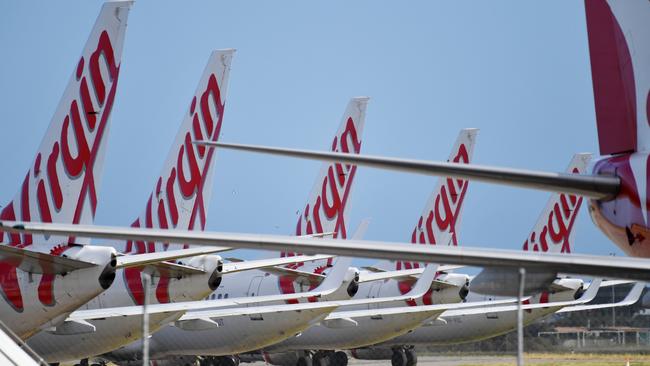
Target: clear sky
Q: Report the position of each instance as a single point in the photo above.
(518, 70)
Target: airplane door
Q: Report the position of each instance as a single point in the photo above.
(491, 316)
(254, 287)
(375, 292)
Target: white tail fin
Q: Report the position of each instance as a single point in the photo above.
(326, 208)
(64, 179)
(441, 215)
(553, 231)
(181, 193)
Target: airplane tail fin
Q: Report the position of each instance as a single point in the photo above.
(618, 33)
(442, 211)
(182, 191)
(326, 209)
(441, 214)
(62, 183)
(553, 231)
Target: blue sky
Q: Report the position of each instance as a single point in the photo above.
(518, 70)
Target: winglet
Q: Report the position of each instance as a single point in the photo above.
(424, 282)
(592, 290)
(335, 278)
(361, 229)
(631, 298)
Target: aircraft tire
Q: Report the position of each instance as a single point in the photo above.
(398, 358)
(304, 361)
(339, 358)
(411, 357)
(225, 361)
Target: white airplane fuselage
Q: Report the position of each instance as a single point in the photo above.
(475, 327)
(113, 333)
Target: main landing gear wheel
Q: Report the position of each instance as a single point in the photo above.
(223, 361)
(337, 359)
(398, 358)
(304, 361)
(411, 357)
(320, 359)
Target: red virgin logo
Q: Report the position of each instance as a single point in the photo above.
(559, 223)
(76, 154)
(329, 205)
(188, 177)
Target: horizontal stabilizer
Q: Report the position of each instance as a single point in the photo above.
(593, 186)
(173, 270)
(271, 262)
(284, 271)
(41, 263)
(137, 260)
(295, 273)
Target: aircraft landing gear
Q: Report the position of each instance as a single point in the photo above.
(411, 357)
(320, 358)
(398, 358)
(220, 361)
(338, 359)
(404, 356)
(305, 360)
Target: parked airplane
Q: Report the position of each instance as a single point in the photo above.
(45, 277)
(469, 325)
(324, 214)
(552, 232)
(617, 188)
(452, 192)
(180, 204)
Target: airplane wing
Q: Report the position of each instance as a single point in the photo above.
(137, 260)
(331, 283)
(42, 263)
(587, 296)
(593, 186)
(433, 309)
(601, 266)
(385, 275)
(404, 274)
(632, 297)
(268, 264)
(283, 271)
(255, 312)
(414, 271)
(418, 290)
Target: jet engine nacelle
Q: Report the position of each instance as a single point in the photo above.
(349, 287)
(46, 299)
(575, 286)
(451, 294)
(193, 286)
